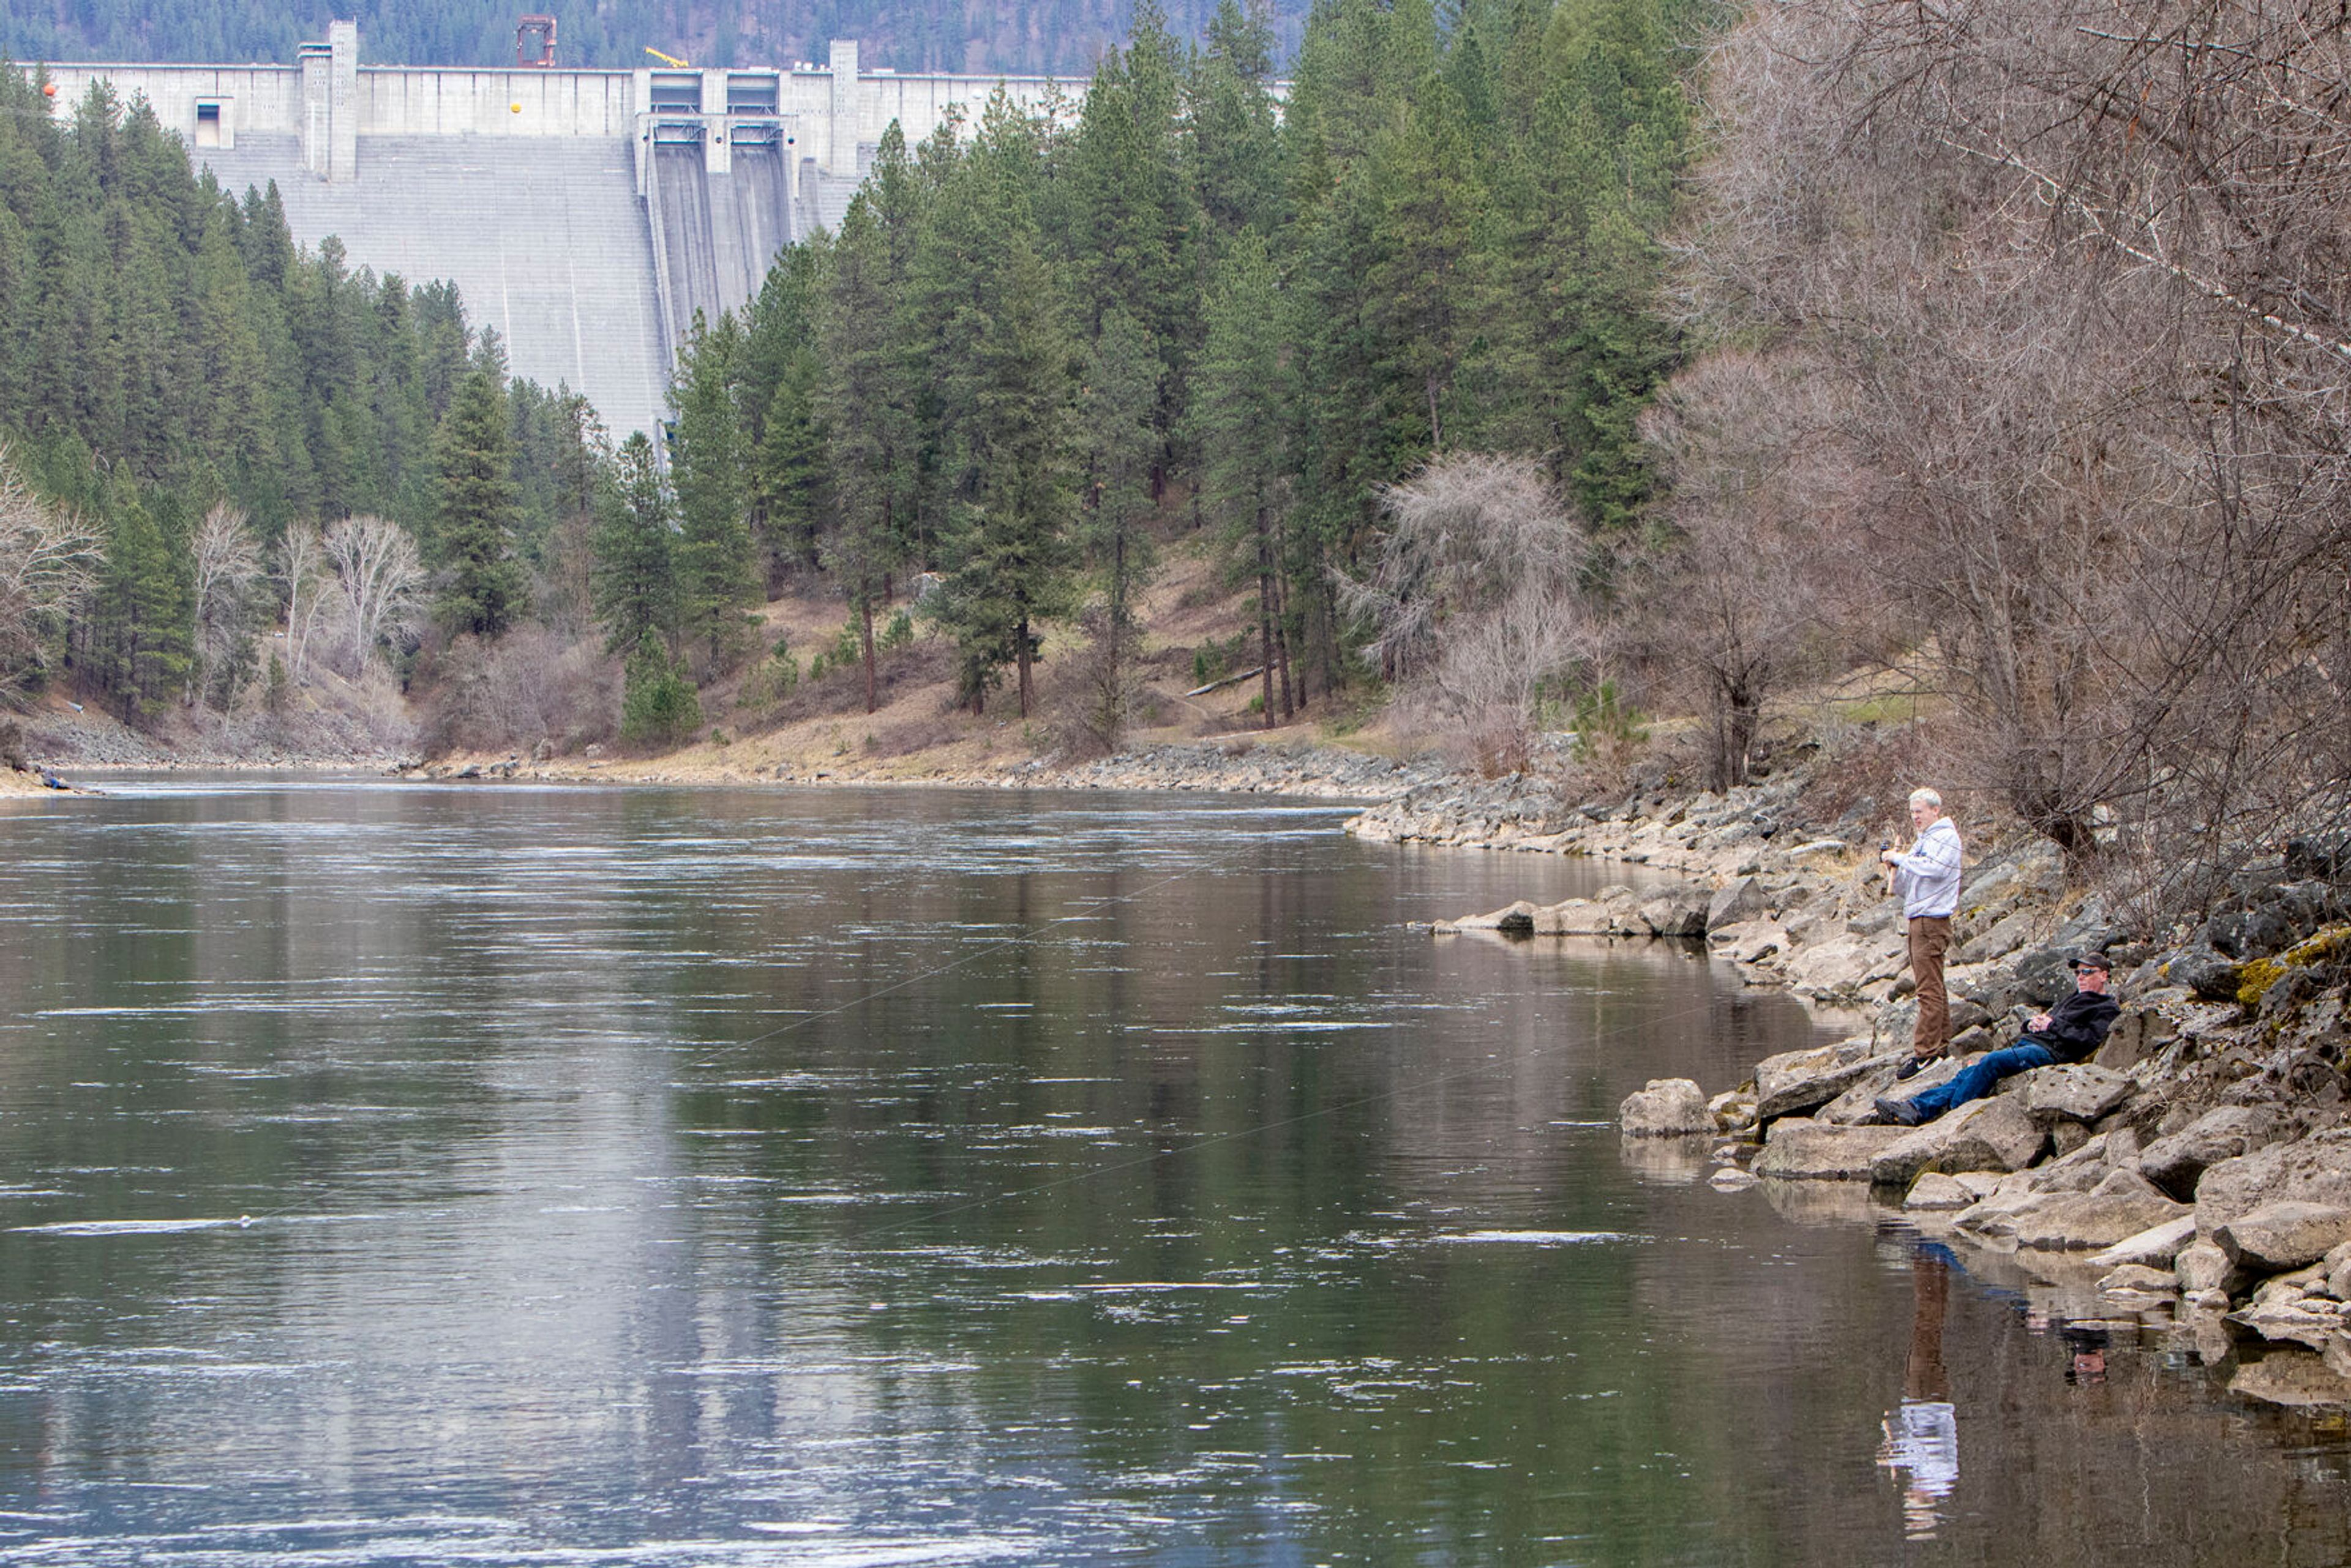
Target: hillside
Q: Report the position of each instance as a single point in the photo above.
(1061, 37)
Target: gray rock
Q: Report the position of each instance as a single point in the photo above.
(2294, 1378)
(1666, 1108)
(2337, 1266)
(1576, 917)
(2078, 1170)
(2074, 1091)
(1520, 918)
(2275, 1237)
(2175, 1162)
(1895, 1025)
(2139, 1277)
(2202, 1266)
(1936, 1191)
(1992, 1135)
(2290, 1287)
(1679, 912)
(2299, 1318)
(2123, 1205)
(1857, 1106)
(1733, 1110)
(2203, 971)
(2005, 937)
(1730, 1178)
(1799, 1081)
(2138, 1034)
(2313, 1170)
(1740, 900)
(2156, 1248)
(1801, 1149)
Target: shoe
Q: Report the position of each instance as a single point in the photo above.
(1916, 1065)
(1903, 1113)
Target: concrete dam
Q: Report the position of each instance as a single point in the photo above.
(586, 215)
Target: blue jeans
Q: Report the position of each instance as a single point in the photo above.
(1975, 1080)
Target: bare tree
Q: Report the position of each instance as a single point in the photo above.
(301, 573)
(2077, 278)
(1476, 602)
(380, 578)
(49, 559)
(228, 565)
(1758, 496)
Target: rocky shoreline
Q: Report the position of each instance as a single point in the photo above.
(2191, 1182)
(1239, 764)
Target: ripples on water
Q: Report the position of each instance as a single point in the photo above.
(547, 1176)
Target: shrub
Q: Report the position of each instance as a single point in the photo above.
(658, 705)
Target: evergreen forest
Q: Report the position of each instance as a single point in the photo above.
(166, 354)
(1057, 38)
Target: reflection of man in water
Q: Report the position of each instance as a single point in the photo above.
(1922, 1438)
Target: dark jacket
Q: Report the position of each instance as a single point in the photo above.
(2078, 1025)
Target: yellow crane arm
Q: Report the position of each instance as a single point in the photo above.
(667, 60)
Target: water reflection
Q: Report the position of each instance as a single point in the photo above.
(1922, 1435)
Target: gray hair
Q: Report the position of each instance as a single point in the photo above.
(1928, 799)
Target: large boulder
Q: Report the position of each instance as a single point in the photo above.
(2074, 1091)
(1735, 902)
(1936, 1191)
(2139, 1279)
(1993, 1134)
(2203, 971)
(1517, 919)
(2158, 1247)
(2174, 1163)
(1576, 917)
(1799, 1081)
(1676, 912)
(2125, 1204)
(2138, 1034)
(2306, 1319)
(1801, 1149)
(1666, 1108)
(2276, 1236)
(2313, 1170)
(2202, 1266)
(1857, 1106)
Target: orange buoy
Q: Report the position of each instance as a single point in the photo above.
(49, 89)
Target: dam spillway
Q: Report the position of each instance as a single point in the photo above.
(585, 215)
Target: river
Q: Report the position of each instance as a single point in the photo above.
(405, 1174)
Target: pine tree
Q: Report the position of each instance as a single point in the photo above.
(658, 705)
(713, 555)
(633, 580)
(782, 379)
(1240, 410)
(1118, 412)
(142, 636)
(473, 535)
(1013, 547)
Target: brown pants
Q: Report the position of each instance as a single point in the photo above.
(1930, 937)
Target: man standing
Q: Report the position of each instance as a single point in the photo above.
(1927, 877)
(2067, 1032)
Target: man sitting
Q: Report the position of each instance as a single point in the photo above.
(2066, 1032)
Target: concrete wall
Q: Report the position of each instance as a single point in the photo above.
(586, 215)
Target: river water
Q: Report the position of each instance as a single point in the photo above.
(518, 1176)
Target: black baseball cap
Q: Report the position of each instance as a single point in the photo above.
(2089, 961)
